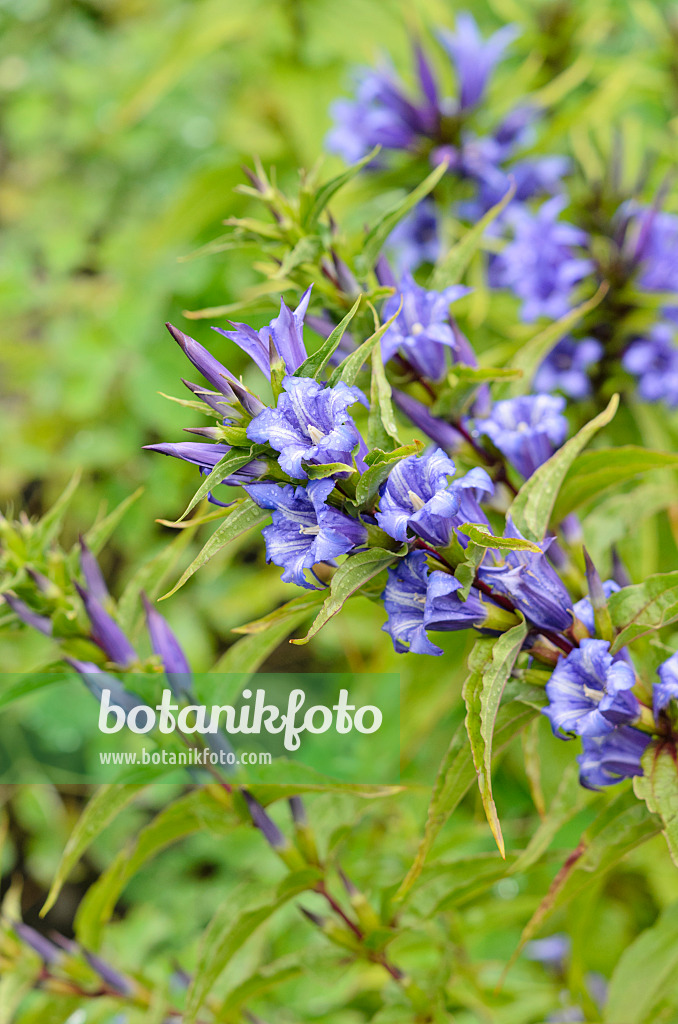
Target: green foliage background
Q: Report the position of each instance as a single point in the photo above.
(124, 127)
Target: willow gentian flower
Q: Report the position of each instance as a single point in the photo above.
(583, 609)
(310, 424)
(666, 689)
(206, 457)
(422, 332)
(542, 263)
(655, 245)
(106, 632)
(305, 530)
(445, 611)
(27, 615)
(211, 369)
(417, 499)
(473, 56)
(653, 360)
(405, 601)
(284, 336)
(589, 692)
(532, 584)
(613, 757)
(566, 367)
(416, 240)
(526, 430)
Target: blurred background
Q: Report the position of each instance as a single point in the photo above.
(123, 128)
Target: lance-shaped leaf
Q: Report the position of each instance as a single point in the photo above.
(601, 470)
(315, 365)
(533, 505)
(350, 577)
(249, 652)
(331, 187)
(244, 516)
(644, 607)
(348, 370)
(658, 787)
(381, 427)
(378, 234)
(232, 461)
(646, 974)
(450, 267)
(480, 535)
(490, 662)
(105, 805)
(225, 935)
(98, 534)
(455, 777)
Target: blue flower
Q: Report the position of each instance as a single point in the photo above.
(211, 369)
(418, 499)
(405, 600)
(583, 609)
(541, 264)
(474, 57)
(526, 430)
(589, 692)
(666, 690)
(168, 648)
(416, 240)
(654, 362)
(206, 456)
(422, 332)
(443, 434)
(305, 530)
(309, 424)
(566, 367)
(284, 336)
(445, 611)
(610, 758)
(655, 247)
(534, 587)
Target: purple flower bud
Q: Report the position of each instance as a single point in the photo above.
(213, 399)
(106, 632)
(211, 369)
(441, 433)
(27, 615)
(583, 609)
(167, 646)
(206, 457)
(96, 681)
(298, 810)
(92, 573)
(113, 978)
(42, 946)
(266, 825)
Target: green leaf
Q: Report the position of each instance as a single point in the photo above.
(533, 352)
(378, 234)
(623, 825)
(315, 365)
(252, 650)
(231, 461)
(645, 973)
(331, 187)
(658, 787)
(348, 370)
(490, 662)
(455, 777)
(451, 266)
(98, 534)
(262, 981)
(245, 516)
(325, 469)
(381, 423)
(644, 607)
(600, 470)
(349, 577)
(224, 936)
(532, 507)
(480, 535)
(567, 802)
(105, 805)
(191, 813)
(149, 579)
(372, 479)
(50, 524)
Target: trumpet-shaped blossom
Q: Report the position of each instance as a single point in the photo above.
(305, 530)
(284, 336)
(666, 689)
(654, 362)
(310, 424)
(416, 240)
(566, 367)
(445, 611)
(422, 332)
(532, 584)
(417, 499)
(526, 430)
(405, 601)
(542, 263)
(656, 244)
(473, 56)
(589, 692)
(613, 757)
